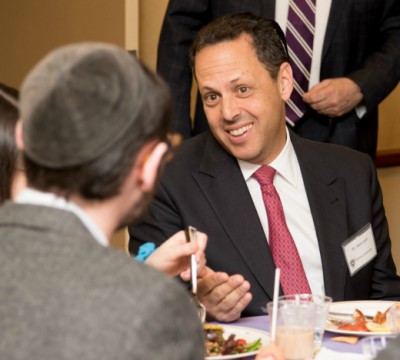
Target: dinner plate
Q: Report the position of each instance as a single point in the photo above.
(245, 333)
(368, 308)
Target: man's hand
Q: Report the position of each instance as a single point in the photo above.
(224, 296)
(334, 97)
(172, 257)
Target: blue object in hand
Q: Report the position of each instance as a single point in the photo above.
(145, 251)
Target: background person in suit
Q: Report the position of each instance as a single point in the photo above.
(94, 124)
(355, 65)
(329, 193)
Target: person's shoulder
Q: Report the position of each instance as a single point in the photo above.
(160, 303)
(137, 279)
(191, 151)
(330, 154)
(132, 284)
(194, 144)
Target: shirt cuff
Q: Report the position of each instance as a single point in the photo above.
(361, 110)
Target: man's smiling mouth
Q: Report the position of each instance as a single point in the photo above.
(240, 131)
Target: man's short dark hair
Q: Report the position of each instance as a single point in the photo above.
(268, 39)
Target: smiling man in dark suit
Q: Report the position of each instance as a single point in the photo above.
(330, 194)
(355, 63)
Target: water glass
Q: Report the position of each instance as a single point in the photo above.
(322, 304)
(294, 328)
(372, 345)
(393, 319)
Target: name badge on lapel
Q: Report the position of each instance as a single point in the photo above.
(359, 249)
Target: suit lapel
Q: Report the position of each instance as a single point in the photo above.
(326, 196)
(335, 16)
(229, 196)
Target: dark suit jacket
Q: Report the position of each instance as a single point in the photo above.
(362, 42)
(65, 297)
(204, 187)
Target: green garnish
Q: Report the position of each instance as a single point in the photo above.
(253, 346)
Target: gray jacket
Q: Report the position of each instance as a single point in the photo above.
(65, 297)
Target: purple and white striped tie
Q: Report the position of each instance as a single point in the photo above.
(300, 37)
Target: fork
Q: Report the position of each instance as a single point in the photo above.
(201, 310)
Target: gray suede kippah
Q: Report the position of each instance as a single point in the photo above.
(78, 101)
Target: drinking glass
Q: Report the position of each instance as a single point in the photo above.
(372, 345)
(322, 304)
(295, 328)
(393, 318)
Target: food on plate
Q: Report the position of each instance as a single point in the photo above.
(374, 327)
(360, 322)
(352, 340)
(217, 344)
(380, 318)
(358, 325)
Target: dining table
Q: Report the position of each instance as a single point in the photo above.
(331, 349)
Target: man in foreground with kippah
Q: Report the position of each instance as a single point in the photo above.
(92, 135)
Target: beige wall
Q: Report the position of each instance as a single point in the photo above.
(151, 15)
(388, 138)
(31, 28)
(390, 182)
(389, 122)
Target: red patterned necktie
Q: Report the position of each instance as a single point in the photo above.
(283, 248)
(300, 39)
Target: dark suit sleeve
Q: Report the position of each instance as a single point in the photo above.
(380, 70)
(183, 18)
(385, 284)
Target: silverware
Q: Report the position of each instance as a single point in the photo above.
(337, 318)
(191, 237)
(346, 315)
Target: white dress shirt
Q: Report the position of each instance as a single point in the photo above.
(289, 184)
(31, 196)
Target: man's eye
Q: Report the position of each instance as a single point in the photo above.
(243, 89)
(211, 97)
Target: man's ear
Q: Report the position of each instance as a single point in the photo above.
(18, 135)
(285, 78)
(150, 166)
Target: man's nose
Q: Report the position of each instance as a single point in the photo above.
(230, 108)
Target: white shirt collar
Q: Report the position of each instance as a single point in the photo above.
(284, 164)
(32, 196)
